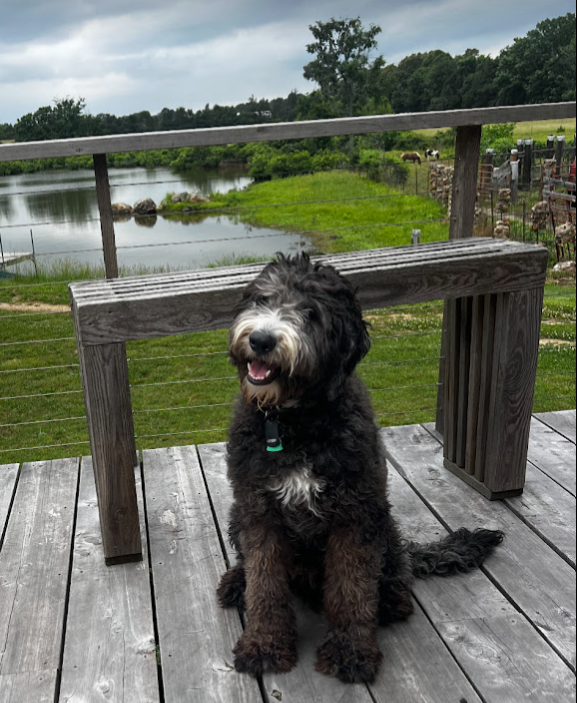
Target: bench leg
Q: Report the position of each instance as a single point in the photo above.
(104, 371)
(490, 369)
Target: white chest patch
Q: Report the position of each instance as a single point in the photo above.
(299, 488)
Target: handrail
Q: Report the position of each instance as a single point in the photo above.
(215, 136)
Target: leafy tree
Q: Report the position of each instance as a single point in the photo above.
(342, 67)
(541, 66)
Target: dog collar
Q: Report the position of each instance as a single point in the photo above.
(271, 433)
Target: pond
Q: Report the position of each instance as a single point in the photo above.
(61, 211)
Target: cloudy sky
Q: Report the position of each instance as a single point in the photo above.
(124, 56)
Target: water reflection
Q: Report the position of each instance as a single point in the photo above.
(61, 209)
(77, 206)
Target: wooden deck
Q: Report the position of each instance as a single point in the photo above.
(72, 629)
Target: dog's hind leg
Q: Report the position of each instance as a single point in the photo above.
(395, 600)
(350, 650)
(231, 588)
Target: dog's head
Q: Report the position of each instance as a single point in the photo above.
(298, 330)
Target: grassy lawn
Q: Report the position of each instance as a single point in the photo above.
(336, 210)
(182, 387)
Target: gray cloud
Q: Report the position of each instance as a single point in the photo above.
(124, 57)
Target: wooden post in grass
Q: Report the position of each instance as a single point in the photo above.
(559, 149)
(527, 164)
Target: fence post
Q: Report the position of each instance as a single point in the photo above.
(416, 237)
(527, 164)
(514, 161)
(550, 148)
(461, 225)
(559, 149)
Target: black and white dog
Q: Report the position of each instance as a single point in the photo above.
(311, 515)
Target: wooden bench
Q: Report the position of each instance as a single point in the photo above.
(493, 292)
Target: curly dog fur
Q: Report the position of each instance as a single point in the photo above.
(311, 515)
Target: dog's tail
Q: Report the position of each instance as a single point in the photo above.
(459, 552)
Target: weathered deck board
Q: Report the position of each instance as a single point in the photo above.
(549, 510)
(34, 565)
(553, 454)
(33, 687)
(536, 579)
(476, 637)
(110, 648)
(8, 478)
(546, 507)
(468, 611)
(195, 635)
(563, 422)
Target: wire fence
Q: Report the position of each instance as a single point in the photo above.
(183, 388)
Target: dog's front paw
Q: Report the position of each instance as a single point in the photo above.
(255, 655)
(231, 588)
(349, 660)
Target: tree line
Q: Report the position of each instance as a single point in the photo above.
(537, 68)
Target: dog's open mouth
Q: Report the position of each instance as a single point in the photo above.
(260, 373)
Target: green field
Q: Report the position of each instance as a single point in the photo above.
(336, 210)
(538, 131)
(182, 387)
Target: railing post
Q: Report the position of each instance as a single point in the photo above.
(462, 222)
(104, 373)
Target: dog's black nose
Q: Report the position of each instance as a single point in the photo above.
(261, 342)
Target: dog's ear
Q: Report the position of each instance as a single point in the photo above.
(353, 344)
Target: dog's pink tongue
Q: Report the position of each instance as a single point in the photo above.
(258, 368)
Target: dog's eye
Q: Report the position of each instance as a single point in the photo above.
(312, 315)
(262, 299)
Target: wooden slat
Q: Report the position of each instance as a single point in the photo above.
(196, 636)
(110, 648)
(192, 307)
(536, 579)
(28, 687)
(500, 652)
(34, 566)
(466, 315)
(8, 479)
(512, 388)
(561, 421)
(487, 354)
(290, 130)
(451, 382)
(474, 382)
(549, 510)
(553, 454)
(417, 666)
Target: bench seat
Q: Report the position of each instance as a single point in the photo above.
(493, 292)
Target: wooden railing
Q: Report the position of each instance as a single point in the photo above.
(467, 122)
(497, 324)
